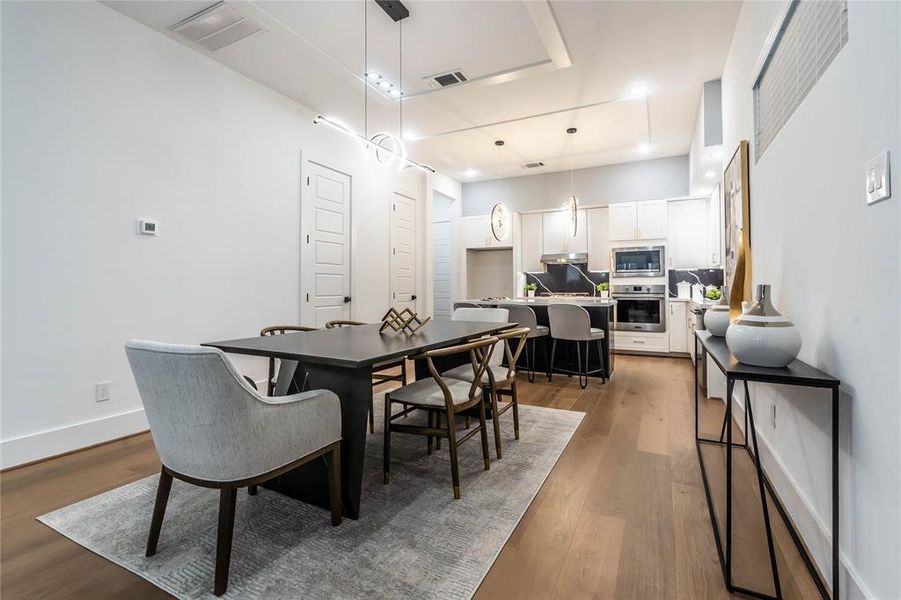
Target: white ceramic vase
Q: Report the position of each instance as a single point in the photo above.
(531, 293)
(716, 319)
(604, 294)
(763, 337)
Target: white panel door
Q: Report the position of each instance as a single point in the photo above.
(442, 269)
(531, 243)
(623, 221)
(598, 231)
(651, 219)
(403, 251)
(327, 249)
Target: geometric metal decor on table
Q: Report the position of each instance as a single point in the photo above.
(402, 320)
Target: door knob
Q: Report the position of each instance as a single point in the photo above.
(413, 297)
(346, 299)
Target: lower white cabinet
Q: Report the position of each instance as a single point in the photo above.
(676, 325)
(641, 341)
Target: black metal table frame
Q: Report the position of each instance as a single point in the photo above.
(763, 482)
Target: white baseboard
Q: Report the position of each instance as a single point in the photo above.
(52, 442)
(807, 521)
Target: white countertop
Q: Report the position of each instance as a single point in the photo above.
(545, 300)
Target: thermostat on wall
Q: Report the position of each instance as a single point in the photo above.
(148, 227)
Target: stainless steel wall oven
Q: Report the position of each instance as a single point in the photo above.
(640, 307)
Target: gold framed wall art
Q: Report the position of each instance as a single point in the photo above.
(737, 200)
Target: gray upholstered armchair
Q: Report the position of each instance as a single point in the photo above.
(212, 429)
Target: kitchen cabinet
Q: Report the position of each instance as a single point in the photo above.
(531, 246)
(715, 228)
(477, 233)
(598, 231)
(678, 338)
(687, 246)
(638, 220)
(623, 219)
(556, 233)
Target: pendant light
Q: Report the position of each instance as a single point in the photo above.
(572, 205)
(500, 215)
(388, 149)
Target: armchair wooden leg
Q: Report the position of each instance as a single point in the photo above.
(159, 510)
(495, 422)
(437, 426)
(334, 483)
(227, 497)
(515, 399)
(550, 369)
(371, 414)
(252, 490)
(452, 444)
(386, 451)
(483, 426)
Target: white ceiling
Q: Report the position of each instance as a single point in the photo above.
(312, 51)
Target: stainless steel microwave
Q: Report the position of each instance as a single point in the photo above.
(641, 261)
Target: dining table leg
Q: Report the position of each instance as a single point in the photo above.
(309, 482)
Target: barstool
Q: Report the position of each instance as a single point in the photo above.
(524, 316)
(571, 323)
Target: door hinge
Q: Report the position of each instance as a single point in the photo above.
(308, 238)
(308, 297)
(394, 251)
(394, 207)
(308, 181)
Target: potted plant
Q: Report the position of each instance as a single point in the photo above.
(530, 289)
(604, 289)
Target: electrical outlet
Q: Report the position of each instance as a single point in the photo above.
(102, 391)
(773, 415)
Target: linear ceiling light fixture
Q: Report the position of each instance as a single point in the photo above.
(388, 149)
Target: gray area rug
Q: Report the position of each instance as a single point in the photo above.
(413, 539)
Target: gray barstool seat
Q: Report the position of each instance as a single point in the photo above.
(572, 323)
(524, 316)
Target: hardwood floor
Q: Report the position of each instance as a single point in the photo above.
(622, 515)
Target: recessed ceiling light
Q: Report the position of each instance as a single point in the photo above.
(710, 174)
(385, 85)
(471, 172)
(639, 90)
(644, 148)
(373, 76)
(395, 93)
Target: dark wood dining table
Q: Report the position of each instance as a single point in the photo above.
(341, 360)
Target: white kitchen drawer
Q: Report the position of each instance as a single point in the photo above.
(641, 342)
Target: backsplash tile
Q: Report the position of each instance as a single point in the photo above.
(707, 277)
(566, 279)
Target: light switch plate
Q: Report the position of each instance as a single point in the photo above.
(879, 178)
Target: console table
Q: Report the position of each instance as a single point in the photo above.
(797, 373)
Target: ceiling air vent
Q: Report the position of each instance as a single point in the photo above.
(216, 27)
(533, 165)
(444, 80)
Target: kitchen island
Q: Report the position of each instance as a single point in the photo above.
(602, 312)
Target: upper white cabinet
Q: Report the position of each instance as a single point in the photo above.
(623, 221)
(531, 245)
(598, 230)
(652, 220)
(687, 246)
(715, 228)
(638, 220)
(556, 233)
(477, 233)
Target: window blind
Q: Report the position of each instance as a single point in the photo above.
(813, 33)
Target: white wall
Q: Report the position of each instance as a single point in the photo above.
(834, 266)
(105, 121)
(596, 186)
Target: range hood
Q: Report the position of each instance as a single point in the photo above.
(570, 258)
